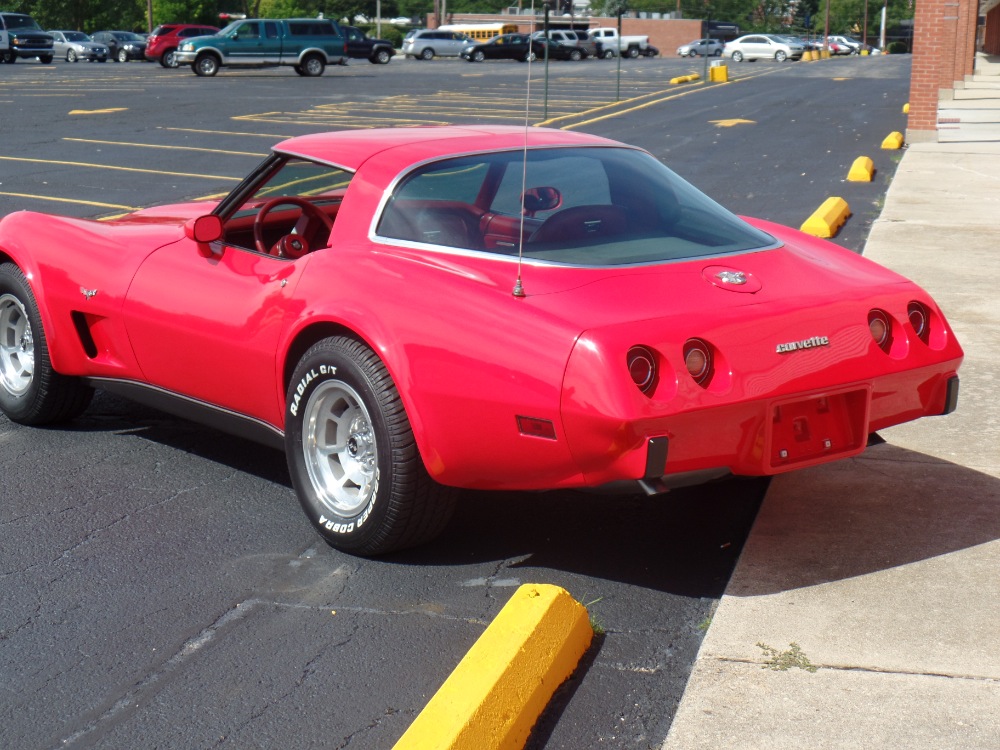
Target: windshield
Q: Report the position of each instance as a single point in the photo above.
(597, 206)
(76, 36)
(21, 22)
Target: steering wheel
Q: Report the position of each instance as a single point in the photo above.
(306, 233)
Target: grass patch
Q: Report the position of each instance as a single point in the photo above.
(785, 660)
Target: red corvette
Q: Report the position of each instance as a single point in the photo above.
(409, 311)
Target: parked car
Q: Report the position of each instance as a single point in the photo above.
(571, 40)
(702, 47)
(22, 38)
(162, 44)
(763, 47)
(520, 47)
(426, 44)
(362, 46)
(74, 46)
(558, 49)
(845, 45)
(648, 337)
(587, 43)
(611, 44)
(307, 45)
(122, 45)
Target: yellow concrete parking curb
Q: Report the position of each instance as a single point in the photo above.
(861, 170)
(893, 141)
(827, 219)
(500, 688)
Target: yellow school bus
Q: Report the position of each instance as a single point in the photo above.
(481, 32)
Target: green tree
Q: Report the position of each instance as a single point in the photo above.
(185, 11)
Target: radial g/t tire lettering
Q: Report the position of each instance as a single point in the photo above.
(352, 455)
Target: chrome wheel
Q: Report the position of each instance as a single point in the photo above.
(340, 449)
(17, 347)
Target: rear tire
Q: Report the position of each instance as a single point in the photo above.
(169, 59)
(352, 455)
(737, 56)
(31, 392)
(427, 54)
(575, 55)
(313, 66)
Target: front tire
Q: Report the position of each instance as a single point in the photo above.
(352, 455)
(382, 57)
(31, 392)
(71, 56)
(206, 65)
(575, 55)
(780, 56)
(122, 55)
(478, 56)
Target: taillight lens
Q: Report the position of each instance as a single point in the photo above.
(642, 368)
(698, 360)
(881, 329)
(920, 320)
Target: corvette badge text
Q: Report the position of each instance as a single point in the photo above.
(794, 346)
(306, 380)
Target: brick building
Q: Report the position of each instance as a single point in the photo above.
(944, 56)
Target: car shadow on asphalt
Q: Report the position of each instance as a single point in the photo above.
(684, 542)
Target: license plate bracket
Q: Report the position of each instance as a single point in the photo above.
(817, 429)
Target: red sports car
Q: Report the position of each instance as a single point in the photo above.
(409, 311)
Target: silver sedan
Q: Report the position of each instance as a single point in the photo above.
(75, 46)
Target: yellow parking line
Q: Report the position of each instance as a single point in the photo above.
(174, 148)
(119, 169)
(280, 136)
(619, 112)
(96, 204)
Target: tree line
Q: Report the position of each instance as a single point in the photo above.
(845, 16)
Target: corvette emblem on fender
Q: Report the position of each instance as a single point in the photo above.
(794, 346)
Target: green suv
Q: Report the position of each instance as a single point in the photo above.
(306, 44)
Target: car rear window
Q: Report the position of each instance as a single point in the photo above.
(595, 206)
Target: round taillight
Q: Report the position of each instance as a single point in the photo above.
(919, 320)
(642, 367)
(698, 360)
(881, 330)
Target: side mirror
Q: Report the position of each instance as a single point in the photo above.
(204, 229)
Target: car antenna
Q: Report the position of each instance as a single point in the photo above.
(518, 286)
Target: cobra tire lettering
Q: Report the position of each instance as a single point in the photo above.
(304, 383)
(338, 527)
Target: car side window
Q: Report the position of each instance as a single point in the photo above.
(299, 199)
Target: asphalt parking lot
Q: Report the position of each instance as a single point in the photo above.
(160, 580)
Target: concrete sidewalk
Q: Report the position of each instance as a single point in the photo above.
(884, 570)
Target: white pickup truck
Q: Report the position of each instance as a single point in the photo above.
(610, 44)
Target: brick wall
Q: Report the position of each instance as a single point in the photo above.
(943, 54)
